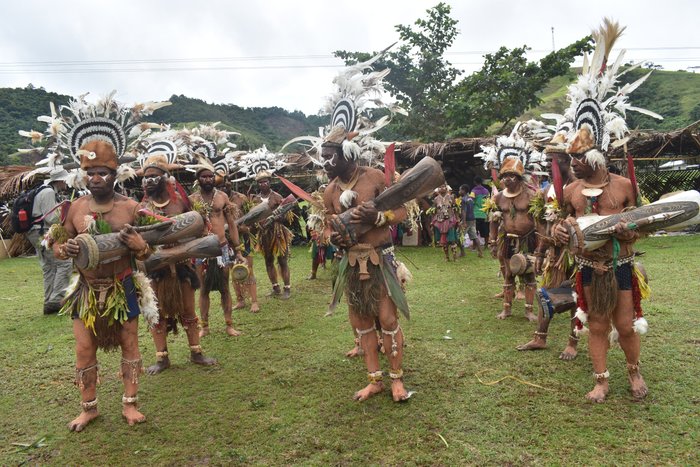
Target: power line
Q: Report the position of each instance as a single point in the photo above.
(262, 58)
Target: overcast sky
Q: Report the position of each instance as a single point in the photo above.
(279, 52)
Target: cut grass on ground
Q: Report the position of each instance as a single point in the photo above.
(281, 393)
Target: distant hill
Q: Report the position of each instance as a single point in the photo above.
(673, 94)
(19, 108)
(272, 126)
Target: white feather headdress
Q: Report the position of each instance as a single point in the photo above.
(513, 146)
(253, 163)
(358, 94)
(597, 109)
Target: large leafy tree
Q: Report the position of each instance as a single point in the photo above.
(420, 79)
(506, 86)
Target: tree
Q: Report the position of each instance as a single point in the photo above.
(506, 86)
(420, 79)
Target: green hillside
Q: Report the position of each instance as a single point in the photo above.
(673, 94)
(272, 126)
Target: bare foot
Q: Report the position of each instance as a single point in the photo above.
(535, 344)
(286, 293)
(82, 420)
(132, 415)
(398, 391)
(254, 307)
(369, 390)
(498, 295)
(530, 316)
(520, 295)
(600, 390)
(204, 331)
(355, 352)
(158, 366)
(276, 291)
(200, 359)
(232, 332)
(503, 314)
(569, 353)
(311, 277)
(637, 385)
(240, 304)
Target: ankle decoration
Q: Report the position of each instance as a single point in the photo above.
(541, 334)
(394, 345)
(160, 356)
(126, 400)
(276, 285)
(528, 306)
(287, 287)
(203, 323)
(375, 377)
(632, 368)
(134, 369)
(80, 374)
(601, 376)
(90, 405)
(196, 348)
(396, 374)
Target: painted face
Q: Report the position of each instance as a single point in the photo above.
(580, 166)
(206, 180)
(334, 162)
(510, 181)
(153, 181)
(100, 180)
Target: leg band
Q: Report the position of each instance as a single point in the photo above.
(632, 368)
(80, 373)
(394, 345)
(134, 367)
(375, 377)
(601, 376)
(129, 400)
(160, 356)
(196, 348)
(90, 405)
(396, 374)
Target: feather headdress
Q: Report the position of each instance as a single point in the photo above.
(359, 92)
(256, 162)
(95, 134)
(596, 109)
(513, 146)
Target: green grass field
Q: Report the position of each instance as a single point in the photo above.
(281, 393)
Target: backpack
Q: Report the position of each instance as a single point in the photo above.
(21, 217)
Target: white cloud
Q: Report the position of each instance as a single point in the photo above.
(122, 32)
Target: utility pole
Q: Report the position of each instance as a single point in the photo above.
(554, 49)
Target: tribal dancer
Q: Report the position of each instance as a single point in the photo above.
(214, 205)
(275, 239)
(321, 248)
(608, 286)
(241, 205)
(175, 285)
(105, 300)
(513, 229)
(554, 262)
(445, 222)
